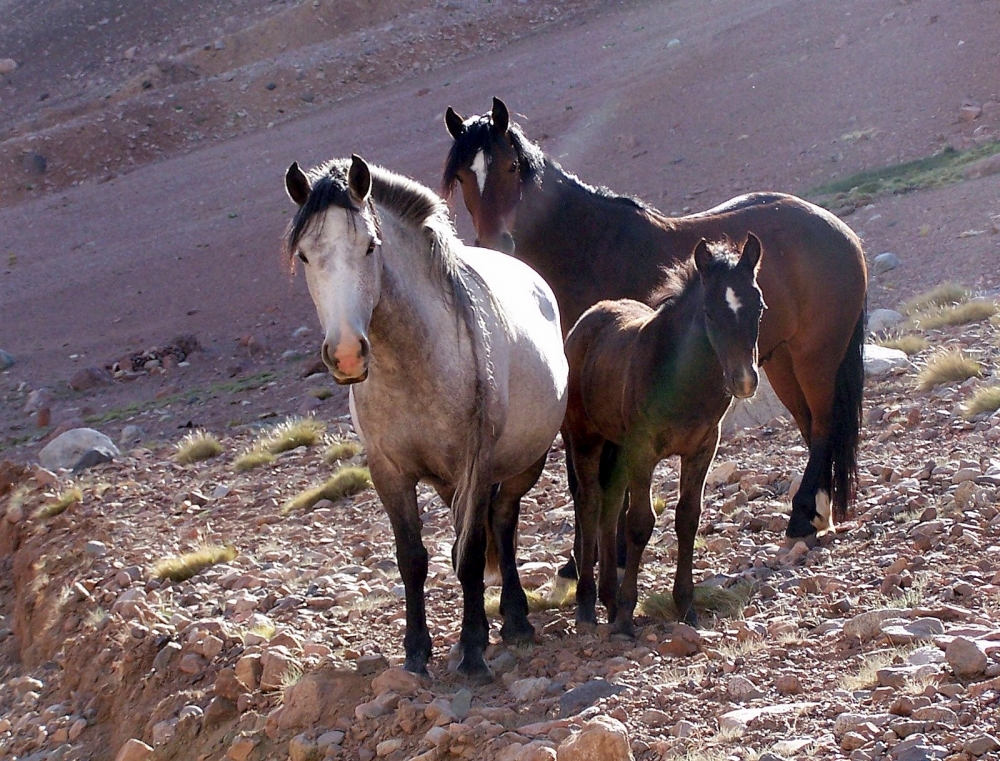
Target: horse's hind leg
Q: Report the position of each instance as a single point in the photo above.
(505, 508)
(399, 496)
(614, 504)
(587, 505)
(470, 567)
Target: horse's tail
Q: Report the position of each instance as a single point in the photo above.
(492, 548)
(845, 423)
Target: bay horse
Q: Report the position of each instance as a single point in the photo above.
(457, 371)
(653, 383)
(591, 244)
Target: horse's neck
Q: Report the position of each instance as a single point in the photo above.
(679, 334)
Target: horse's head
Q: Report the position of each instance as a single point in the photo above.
(733, 308)
(335, 234)
(486, 161)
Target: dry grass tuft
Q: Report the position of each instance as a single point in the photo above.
(62, 502)
(962, 314)
(910, 343)
(183, 567)
(321, 392)
(943, 295)
(985, 400)
(197, 446)
(344, 483)
(538, 600)
(338, 450)
(252, 458)
(724, 603)
(866, 676)
(948, 367)
(293, 433)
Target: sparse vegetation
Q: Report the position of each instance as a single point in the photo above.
(183, 567)
(946, 167)
(344, 483)
(321, 392)
(292, 434)
(952, 366)
(59, 505)
(338, 450)
(867, 674)
(725, 603)
(252, 458)
(961, 314)
(909, 343)
(948, 293)
(985, 400)
(537, 600)
(197, 446)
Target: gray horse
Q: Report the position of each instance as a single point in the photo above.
(459, 376)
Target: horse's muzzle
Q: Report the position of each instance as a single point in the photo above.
(504, 243)
(743, 385)
(347, 366)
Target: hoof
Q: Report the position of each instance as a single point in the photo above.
(475, 670)
(568, 571)
(623, 630)
(690, 618)
(416, 666)
(521, 633)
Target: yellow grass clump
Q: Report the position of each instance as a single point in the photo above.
(986, 399)
(961, 314)
(344, 483)
(725, 603)
(538, 600)
(293, 433)
(197, 446)
(252, 458)
(61, 503)
(948, 367)
(183, 567)
(338, 450)
(909, 343)
(943, 295)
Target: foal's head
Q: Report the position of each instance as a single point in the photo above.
(490, 158)
(335, 234)
(733, 308)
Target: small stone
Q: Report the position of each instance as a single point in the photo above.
(788, 684)
(461, 704)
(134, 750)
(880, 319)
(655, 718)
(398, 681)
(7, 66)
(6, 360)
(328, 739)
(388, 747)
(881, 361)
(740, 688)
(937, 715)
(684, 641)
(302, 748)
(980, 745)
(526, 690)
(601, 738)
(966, 658)
(575, 700)
(228, 685)
(76, 729)
(884, 263)
(276, 664)
(248, 671)
(918, 630)
(371, 663)
(88, 378)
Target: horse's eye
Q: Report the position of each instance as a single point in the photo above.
(371, 246)
(513, 167)
(460, 180)
(302, 257)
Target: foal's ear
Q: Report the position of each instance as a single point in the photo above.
(702, 257)
(454, 123)
(297, 184)
(751, 252)
(359, 180)
(500, 116)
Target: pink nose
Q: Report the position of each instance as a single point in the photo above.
(349, 359)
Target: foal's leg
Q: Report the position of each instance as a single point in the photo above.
(569, 572)
(694, 468)
(639, 522)
(399, 496)
(587, 507)
(504, 511)
(614, 481)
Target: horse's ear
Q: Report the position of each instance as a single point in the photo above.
(500, 117)
(751, 252)
(297, 184)
(702, 257)
(359, 180)
(454, 123)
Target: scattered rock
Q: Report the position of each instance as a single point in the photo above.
(88, 378)
(6, 360)
(601, 738)
(880, 361)
(134, 750)
(7, 66)
(880, 319)
(966, 658)
(763, 407)
(575, 700)
(884, 263)
(66, 450)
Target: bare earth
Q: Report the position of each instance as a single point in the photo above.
(142, 148)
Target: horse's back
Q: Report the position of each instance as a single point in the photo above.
(527, 359)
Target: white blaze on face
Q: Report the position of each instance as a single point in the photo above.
(479, 169)
(734, 301)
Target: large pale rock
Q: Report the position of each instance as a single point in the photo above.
(880, 319)
(918, 630)
(601, 738)
(67, 449)
(880, 361)
(277, 665)
(759, 410)
(134, 750)
(966, 658)
(398, 681)
(736, 722)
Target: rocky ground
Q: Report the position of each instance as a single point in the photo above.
(140, 294)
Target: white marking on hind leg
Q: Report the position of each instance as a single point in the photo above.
(734, 301)
(823, 522)
(479, 169)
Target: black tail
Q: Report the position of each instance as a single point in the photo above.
(845, 422)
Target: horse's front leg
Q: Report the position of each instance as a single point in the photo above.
(399, 497)
(639, 521)
(694, 468)
(614, 479)
(505, 510)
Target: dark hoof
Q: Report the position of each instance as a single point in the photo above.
(568, 571)
(518, 633)
(475, 670)
(586, 617)
(691, 618)
(416, 666)
(624, 630)
(800, 526)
